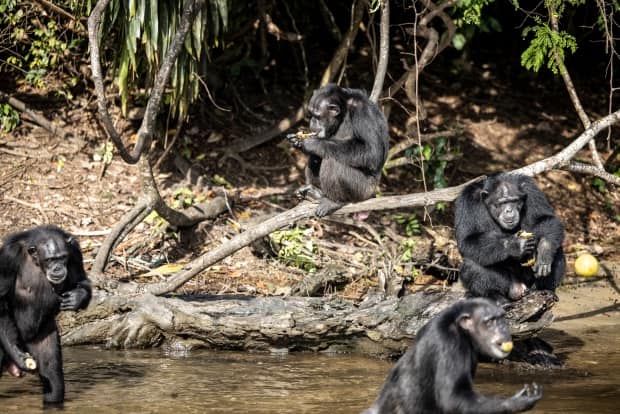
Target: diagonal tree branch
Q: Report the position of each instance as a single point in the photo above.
(563, 158)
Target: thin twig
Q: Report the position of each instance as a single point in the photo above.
(384, 51)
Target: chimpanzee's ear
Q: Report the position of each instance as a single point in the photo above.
(69, 240)
(32, 251)
(523, 189)
(334, 110)
(465, 321)
(483, 194)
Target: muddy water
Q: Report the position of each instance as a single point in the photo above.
(102, 381)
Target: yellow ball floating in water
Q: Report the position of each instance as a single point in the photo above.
(586, 265)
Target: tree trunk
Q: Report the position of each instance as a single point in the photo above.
(376, 326)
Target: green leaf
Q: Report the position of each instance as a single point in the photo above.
(458, 41)
(154, 24)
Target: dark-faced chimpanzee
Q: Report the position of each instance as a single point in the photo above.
(503, 225)
(347, 149)
(41, 273)
(435, 376)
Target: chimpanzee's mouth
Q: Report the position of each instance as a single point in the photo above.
(57, 279)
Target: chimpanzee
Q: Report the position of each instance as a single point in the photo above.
(347, 147)
(41, 273)
(504, 224)
(435, 376)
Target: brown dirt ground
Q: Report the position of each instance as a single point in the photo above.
(45, 179)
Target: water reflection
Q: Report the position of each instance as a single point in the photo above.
(103, 381)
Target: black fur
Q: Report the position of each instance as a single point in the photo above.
(29, 302)
(492, 255)
(435, 376)
(348, 153)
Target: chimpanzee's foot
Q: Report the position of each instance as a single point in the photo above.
(517, 290)
(326, 207)
(361, 215)
(310, 192)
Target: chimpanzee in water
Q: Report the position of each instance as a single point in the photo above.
(41, 273)
(503, 225)
(435, 376)
(346, 149)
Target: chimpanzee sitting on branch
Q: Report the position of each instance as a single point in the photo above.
(41, 273)
(435, 375)
(510, 238)
(347, 147)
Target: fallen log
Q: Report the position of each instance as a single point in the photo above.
(376, 326)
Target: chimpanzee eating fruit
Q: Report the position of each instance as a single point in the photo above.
(347, 147)
(510, 238)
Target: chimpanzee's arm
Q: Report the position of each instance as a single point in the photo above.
(78, 297)
(8, 331)
(542, 220)
(354, 152)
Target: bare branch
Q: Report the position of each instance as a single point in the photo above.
(562, 158)
(572, 92)
(303, 210)
(588, 169)
(432, 48)
(384, 51)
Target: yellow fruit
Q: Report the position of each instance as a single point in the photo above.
(506, 346)
(586, 265)
(30, 363)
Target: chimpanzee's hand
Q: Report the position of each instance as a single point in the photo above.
(23, 361)
(73, 299)
(525, 398)
(296, 141)
(544, 259)
(520, 248)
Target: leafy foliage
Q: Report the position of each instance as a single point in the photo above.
(9, 117)
(295, 247)
(543, 47)
(145, 29)
(471, 10)
(410, 221)
(35, 44)
(435, 160)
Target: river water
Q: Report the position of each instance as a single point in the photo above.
(109, 381)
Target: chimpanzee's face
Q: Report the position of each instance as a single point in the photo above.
(504, 205)
(488, 331)
(52, 256)
(325, 109)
